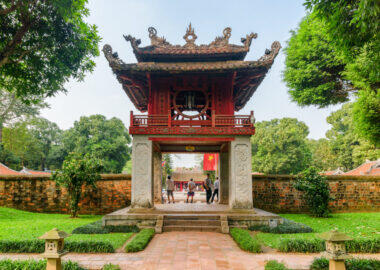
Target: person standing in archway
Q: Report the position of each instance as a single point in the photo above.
(208, 187)
(191, 189)
(170, 188)
(216, 190)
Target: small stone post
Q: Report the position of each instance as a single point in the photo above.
(54, 242)
(335, 249)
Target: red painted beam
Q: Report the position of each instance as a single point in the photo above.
(201, 139)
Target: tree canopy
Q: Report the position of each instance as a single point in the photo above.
(279, 147)
(105, 139)
(43, 44)
(335, 50)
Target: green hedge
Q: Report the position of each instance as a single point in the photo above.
(318, 245)
(245, 240)
(140, 241)
(38, 246)
(110, 266)
(287, 227)
(34, 265)
(274, 265)
(97, 228)
(351, 264)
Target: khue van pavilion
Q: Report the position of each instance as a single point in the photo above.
(191, 95)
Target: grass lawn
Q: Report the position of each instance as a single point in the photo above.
(356, 225)
(22, 225)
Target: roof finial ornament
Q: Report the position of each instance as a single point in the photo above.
(190, 37)
(223, 40)
(154, 39)
(248, 40)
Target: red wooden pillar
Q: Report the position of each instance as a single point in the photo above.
(181, 185)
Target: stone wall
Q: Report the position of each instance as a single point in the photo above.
(276, 193)
(40, 194)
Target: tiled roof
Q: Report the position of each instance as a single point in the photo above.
(4, 170)
(338, 171)
(367, 168)
(28, 171)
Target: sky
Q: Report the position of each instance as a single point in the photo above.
(101, 93)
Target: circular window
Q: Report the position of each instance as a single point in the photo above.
(190, 104)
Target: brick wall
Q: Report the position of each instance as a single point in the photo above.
(40, 194)
(272, 193)
(352, 193)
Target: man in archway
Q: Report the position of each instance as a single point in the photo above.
(170, 188)
(191, 189)
(208, 187)
(216, 190)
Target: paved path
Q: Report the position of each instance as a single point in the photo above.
(188, 250)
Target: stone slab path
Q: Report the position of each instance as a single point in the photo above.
(188, 250)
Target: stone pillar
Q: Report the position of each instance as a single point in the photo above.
(142, 172)
(157, 176)
(240, 171)
(224, 178)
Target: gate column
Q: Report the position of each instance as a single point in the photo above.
(240, 170)
(142, 172)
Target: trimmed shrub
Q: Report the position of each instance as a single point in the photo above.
(140, 241)
(288, 226)
(38, 246)
(318, 245)
(316, 191)
(110, 266)
(97, 228)
(275, 265)
(302, 245)
(351, 264)
(363, 245)
(245, 241)
(34, 265)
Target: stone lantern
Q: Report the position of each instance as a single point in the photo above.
(335, 249)
(54, 242)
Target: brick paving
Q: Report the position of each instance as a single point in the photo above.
(188, 250)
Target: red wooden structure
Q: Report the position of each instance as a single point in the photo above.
(191, 89)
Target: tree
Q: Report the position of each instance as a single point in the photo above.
(78, 170)
(316, 191)
(314, 69)
(167, 167)
(44, 43)
(350, 149)
(351, 29)
(279, 147)
(12, 109)
(105, 139)
(323, 156)
(9, 159)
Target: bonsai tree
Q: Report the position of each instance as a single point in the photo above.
(316, 191)
(77, 170)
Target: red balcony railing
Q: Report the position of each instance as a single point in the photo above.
(216, 121)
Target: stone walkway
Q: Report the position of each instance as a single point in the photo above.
(188, 250)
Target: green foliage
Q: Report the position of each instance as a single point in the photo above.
(316, 191)
(110, 266)
(140, 241)
(363, 245)
(350, 150)
(104, 139)
(127, 167)
(275, 265)
(97, 228)
(323, 156)
(366, 115)
(302, 245)
(279, 147)
(287, 227)
(313, 71)
(34, 265)
(38, 246)
(43, 44)
(245, 240)
(77, 170)
(9, 159)
(343, 37)
(351, 264)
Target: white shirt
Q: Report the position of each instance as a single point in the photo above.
(216, 184)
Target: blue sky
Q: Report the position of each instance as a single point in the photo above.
(100, 93)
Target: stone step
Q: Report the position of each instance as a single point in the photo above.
(191, 222)
(191, 217)
(175, 228)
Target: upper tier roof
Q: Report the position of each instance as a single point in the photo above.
(217, 57)
(162, 51)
